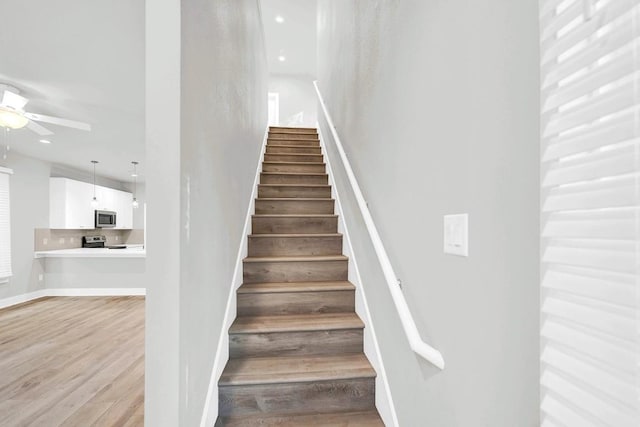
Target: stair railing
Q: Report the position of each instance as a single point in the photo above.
(410, 329)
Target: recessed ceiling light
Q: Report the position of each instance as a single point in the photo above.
(45, 141)
(282, 58)
(279, 19)
(134, 174)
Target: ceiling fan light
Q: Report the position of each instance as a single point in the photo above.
(12, 119)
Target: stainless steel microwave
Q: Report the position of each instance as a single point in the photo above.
(105, 219)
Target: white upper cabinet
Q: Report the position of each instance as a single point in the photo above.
(70, 204)
(123, 207)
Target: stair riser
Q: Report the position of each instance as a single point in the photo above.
(297, 168)
(294, 179)
(291, 246)
(293, 206)
(277, 129)
(321, 397)
(280, 135)
(301, 191)
(313, 343)
(293, 150)
(342, 419)
(275, 225)
(278, 303)
(292, 142)
(295, 271)
(313, 158)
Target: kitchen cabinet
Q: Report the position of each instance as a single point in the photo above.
(123, 206)
(70, 204)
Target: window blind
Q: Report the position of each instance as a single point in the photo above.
(590, 222)
(5, 229)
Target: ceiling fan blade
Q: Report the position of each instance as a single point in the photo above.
(13, 100)
(58, 121)
(39, 129)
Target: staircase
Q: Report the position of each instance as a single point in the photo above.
(296, 347)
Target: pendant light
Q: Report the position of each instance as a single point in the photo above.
(135, 185)
(94, 202)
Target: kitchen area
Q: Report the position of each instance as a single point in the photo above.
(74, 233)
(95, 243)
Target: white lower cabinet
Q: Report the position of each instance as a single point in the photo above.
(70, 204)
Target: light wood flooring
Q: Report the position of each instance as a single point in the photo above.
(68, 361)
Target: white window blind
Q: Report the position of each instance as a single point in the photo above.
(5, 228)
(590, 223)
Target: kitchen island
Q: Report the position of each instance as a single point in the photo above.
(93, 271)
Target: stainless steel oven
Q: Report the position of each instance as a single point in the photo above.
(105, 219)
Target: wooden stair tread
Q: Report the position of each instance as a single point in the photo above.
(336, 419)
(292, 139)
(297, 146)
(295, 369)
(293, 128)
(294, 235)
(295, 185)
(288, 142)
(294, 155)
(304, 258)
(295, 215)
(304, 199)
(295, 323)
(282, 287)
(294, 173)
(293, 163)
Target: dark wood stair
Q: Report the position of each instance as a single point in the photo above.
(296, 347)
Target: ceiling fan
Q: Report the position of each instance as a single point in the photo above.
(13, 115)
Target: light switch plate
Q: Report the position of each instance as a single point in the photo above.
(456, 234)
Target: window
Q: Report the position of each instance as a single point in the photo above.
(590, 212)
(5, 228)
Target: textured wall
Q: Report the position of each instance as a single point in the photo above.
(224, 97)
(206, 117)
(437, 104)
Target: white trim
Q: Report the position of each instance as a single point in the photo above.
(71, 292)
(6, 170)
(411, 330)
(19, 299)
(210, 410)
(96, 292)
(384, 401)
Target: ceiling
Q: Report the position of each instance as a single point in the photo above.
(295, 38)
(80, 60)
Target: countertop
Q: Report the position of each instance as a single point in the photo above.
(133, 251)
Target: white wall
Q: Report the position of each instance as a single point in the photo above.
(296, 96)
(29, 192)
(162, 137)
(206, 59)
(437, 104)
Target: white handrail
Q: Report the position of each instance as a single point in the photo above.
(415, 341)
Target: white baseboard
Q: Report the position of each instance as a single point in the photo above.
(19, 299)
(96, 292)
(210, 410)
(71, 292)
(384, 399)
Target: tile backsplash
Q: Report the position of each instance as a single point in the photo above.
(47, 239)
